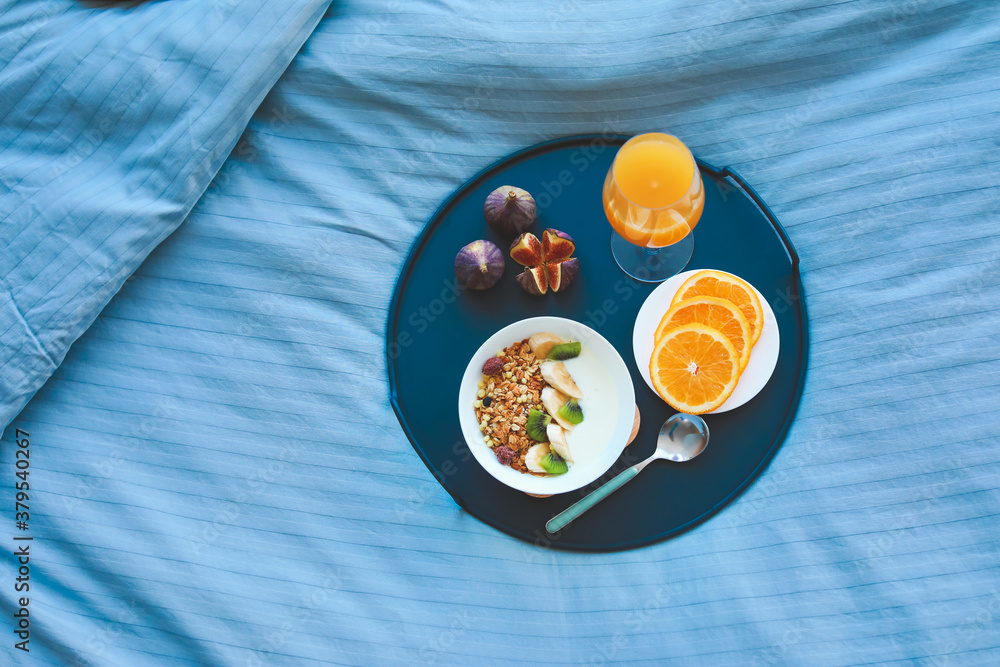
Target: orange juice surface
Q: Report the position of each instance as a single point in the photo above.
(653, 196)
(654, 174)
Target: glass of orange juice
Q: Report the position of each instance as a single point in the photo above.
(653, 197)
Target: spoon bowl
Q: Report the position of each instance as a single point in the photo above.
(681, 438)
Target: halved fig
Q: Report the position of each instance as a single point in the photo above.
(557, 246)
(550, 261)
(533, 281)
(527, 250)
(561, 274)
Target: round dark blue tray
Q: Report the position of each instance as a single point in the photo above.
(434, 329)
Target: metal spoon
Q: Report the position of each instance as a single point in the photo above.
(681, 438)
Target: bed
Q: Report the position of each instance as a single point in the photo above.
(204, 211)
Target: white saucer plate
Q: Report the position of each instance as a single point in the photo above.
(763, 356)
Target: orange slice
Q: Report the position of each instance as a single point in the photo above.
(669, 232)
(634, 226)
(635, 234)
(714, 312)
(729, 287)
(694, 368)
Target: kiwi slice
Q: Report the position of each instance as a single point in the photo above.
(537, 421)
(553, 464)
(571, 411)
(564, 351)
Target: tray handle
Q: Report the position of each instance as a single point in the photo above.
(789, 248)
(729, 172)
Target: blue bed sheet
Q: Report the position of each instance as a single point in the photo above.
(112, 124)
(217, 477)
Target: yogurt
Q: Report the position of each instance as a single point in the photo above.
(599, 405)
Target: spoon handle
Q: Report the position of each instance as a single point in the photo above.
(559, 521)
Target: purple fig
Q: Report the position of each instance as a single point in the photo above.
(527, 250)
(509, 210)
(479, 265)
(550, 262)
(557, 245)
(561, 274)
(533, 280)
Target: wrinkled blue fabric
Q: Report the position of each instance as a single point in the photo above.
(217, 477)
(112, 124)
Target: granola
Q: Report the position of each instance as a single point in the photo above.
(504, 400)
(527, 402)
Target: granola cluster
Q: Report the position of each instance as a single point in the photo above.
(504, 400)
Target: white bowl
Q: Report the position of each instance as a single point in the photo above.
(763, 356)
(616, 396)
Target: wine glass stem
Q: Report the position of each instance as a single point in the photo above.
(652, 265)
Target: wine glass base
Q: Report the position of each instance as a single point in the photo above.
(652, 265)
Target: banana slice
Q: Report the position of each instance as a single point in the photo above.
(557, 441)
(533, 459)
(552, 400)
(542, 460)
(555, 373)
(542, 343)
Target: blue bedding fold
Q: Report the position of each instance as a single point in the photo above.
(112, 123)
(216, 474)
